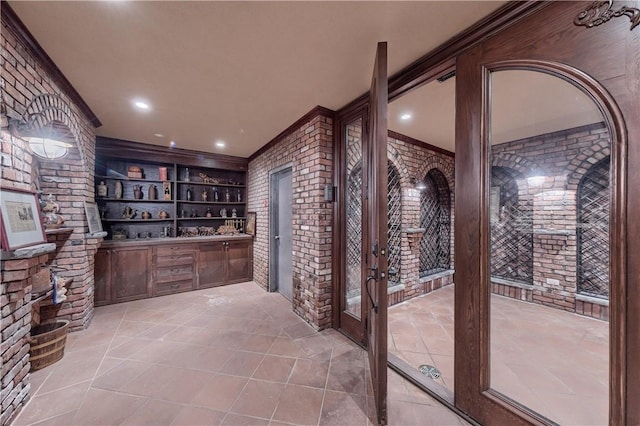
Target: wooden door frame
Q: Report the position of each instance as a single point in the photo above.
(350, 327)
(577, 52)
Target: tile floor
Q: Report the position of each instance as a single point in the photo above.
(552, 361)
(233, 355)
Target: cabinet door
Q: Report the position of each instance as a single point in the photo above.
(102, 278)
(130, 273)
(211, 264)
(239, 265)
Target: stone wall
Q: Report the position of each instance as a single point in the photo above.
(307, 147)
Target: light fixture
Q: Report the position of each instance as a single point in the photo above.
(158, 135)
(142, 105)
(45, 138)
(405, 116)
(535, 180)
(172, 144)
(220, 144)
(46, 143)
(418, 184)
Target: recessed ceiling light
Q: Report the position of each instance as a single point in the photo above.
(172, 144)
(220, 144)
(405, 116)
(141, 105)
(158, 135)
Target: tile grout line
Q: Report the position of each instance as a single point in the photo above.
(100, 365)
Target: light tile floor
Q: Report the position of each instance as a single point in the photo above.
(232, 355)
(554, 362)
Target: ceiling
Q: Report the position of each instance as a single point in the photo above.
(242, 72)
(238, 72)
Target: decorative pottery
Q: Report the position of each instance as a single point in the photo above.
(118, 191)
(152, 192)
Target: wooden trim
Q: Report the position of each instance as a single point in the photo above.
(118, 148)
(12, 22)
(419, 143)
(316, 111)
(441, 60)
(573, 54)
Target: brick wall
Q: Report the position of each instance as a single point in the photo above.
(308, 149)
(415, 160)
(564, 158)
(70, 180)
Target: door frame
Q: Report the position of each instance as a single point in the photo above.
(442, 60)
(551, 42)
(347, 324)
(273, 209)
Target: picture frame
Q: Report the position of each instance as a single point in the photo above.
(20, 219)
(93, 217)
(250, 224)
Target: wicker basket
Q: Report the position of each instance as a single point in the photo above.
(47, 343)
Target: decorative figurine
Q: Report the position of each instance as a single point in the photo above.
(129, 213)
(239, 196)
(223, 212)
(102, 189)
(193, 213)
(146, 215)
(52, 220)
(205, 195)
(234, 213)
(216, 196)
(209, 213)
(187, 178)
(163, 214)
(189, 194)
(118, 192)
(227, 196)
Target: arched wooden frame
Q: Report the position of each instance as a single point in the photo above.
(614, 121)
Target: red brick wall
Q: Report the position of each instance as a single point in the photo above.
(308, 149)
(70, 180)
(563, 157)
(415, 161)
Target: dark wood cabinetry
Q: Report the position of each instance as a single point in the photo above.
(147, 191)
(132, 270)
(186, 194)
(130, 273)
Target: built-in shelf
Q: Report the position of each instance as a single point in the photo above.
(209, 218)
(211, 202)
(38, 297)
(131, 179)
(58, 231)
(138, 220)
(226, 185)
(133, 200)
(552, 232)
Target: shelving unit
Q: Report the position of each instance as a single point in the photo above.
(184, 175)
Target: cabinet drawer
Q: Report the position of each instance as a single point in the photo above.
(175, 260)
(174, 287)
(174, 273)
(173, 250)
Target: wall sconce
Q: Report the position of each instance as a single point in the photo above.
(535, 180)
(45, 139)
(417, 184)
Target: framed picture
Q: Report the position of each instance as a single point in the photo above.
(93, 217)
(20, 219)
(250, 225)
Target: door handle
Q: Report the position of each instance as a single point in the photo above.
(366, 286)
(277, 237)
